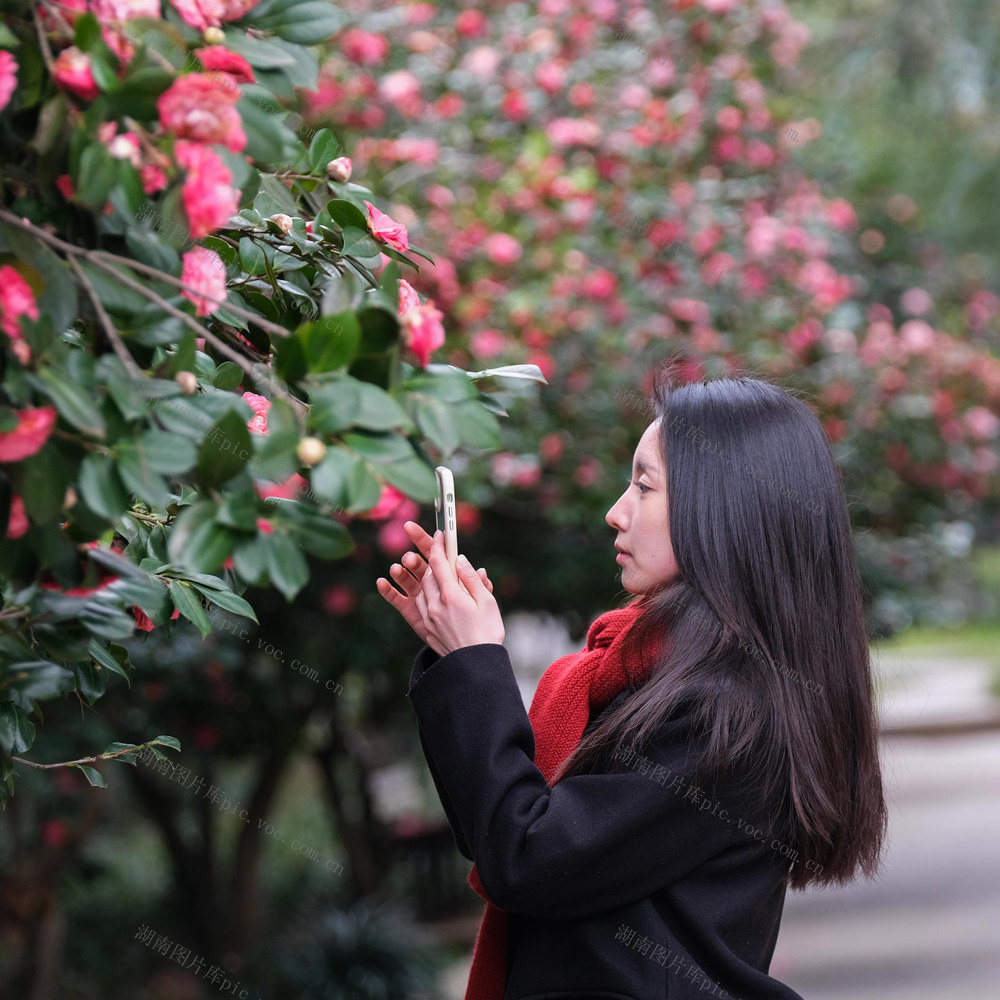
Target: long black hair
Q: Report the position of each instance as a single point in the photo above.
(764, 622)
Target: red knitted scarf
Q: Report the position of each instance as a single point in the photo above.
(567, 692)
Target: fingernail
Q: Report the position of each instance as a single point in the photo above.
(463, 561)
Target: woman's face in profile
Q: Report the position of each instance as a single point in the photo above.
(640, 516)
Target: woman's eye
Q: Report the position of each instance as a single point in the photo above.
(643, 488)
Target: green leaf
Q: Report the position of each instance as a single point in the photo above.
(226, 449)
(437, 422)
(165, 452)
(93, 776)
(89, 681)
(227, 376)
(17, 732)
(106, 660)
(39, 679)
(305, 22)
(190, 607)
(44, 478)
(125, 758)
(531, 372)
(286, 565)
(166, 741)
(198, 542)
(331, 342)
(323, 148)
(252, 257)
(229, 601)
(359, 243)
(96, 176)
(74, 404)
(101, 487)
(136, 474)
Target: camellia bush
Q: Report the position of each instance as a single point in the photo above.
(211, 362)
(607, 184)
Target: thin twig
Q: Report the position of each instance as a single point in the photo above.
(220, 345)
(96, 257)
(264, 324)
(86, 760)
(116, 341)
(43, 40)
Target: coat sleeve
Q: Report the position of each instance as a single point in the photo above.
(590, 843)
(425, 659)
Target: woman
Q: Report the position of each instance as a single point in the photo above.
(714, 744)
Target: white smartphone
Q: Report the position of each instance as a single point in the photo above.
(444, 513)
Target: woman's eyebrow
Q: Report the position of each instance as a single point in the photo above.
(650, 470)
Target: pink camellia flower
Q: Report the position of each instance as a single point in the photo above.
(209, 197)
(30, 434)
(487, 344)
(16, 300)
(202, 14)
(389, 500)
(408, 298)
(206, 274)
(199, 106)
(112, 14)
(421, 323)
(385, 229)
(260, 405)
(982, 423)
(401, 89)
(366, 48)
(154, 178)
(218, 57)
(72, 72)
(17, 523)
(841, 215)
(422, 331)
(916, 301)
(8, 77)
(502, 248)
(340, 169)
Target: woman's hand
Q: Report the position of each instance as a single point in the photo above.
(408, 577)
(457, 610)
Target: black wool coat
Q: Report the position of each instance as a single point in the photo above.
(628, 883)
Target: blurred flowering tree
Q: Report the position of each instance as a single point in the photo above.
(609, 183)
(210, 362)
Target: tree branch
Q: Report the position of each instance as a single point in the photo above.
(116, 342)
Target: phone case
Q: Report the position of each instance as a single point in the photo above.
(444, 513)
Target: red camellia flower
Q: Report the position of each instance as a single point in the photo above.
(260, 405)
(8, 77)
(16, 300)
(32, 431)
(209, 197)
(72, 72)
(206, 274)
(339, 599)
(218, 57)
(389, 499)
(143, 622)
(199, 106)
(385, 229)
(17, 523)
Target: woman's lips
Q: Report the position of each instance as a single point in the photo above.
(621, 557)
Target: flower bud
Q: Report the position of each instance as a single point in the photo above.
(188, 382)
(284, 222)
(339, 169)
(311, 451)
(69, 498)
(214, 36)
